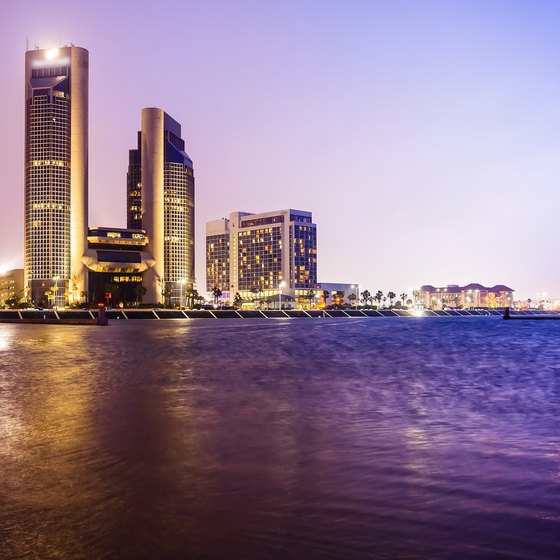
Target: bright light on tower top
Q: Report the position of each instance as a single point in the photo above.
(51, 54)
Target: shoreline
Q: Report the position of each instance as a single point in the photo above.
(89, 317)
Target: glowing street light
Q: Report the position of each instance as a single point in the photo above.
(280, 286)
(357, 287)
(55, 288)
(181, 284)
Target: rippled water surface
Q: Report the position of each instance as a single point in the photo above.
(362, 438)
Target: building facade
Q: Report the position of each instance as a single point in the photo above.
(56, 172)
(116, 259)
(160, 200)
(134, 187)
(218, 257)
(465, 297)
(12, 286)
(270, 254)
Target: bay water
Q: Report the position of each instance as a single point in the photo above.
(392, 438)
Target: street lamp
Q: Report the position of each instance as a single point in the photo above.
(55, 289)
(280, 286)
(181, 283)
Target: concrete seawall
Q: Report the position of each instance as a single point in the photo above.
(88, 317)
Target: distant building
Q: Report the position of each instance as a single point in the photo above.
(337, 293)
(217, 256)
(11, 285)
(471, 295)
(270, 254)
(56, 171)
(160, 200)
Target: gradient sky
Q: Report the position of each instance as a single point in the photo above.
(423, 135)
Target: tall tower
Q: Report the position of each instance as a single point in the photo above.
(160, 200)
(56, 173)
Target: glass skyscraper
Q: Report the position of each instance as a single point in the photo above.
(56, 143)
(160, 200)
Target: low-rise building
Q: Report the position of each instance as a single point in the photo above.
(116, 259)
(11, 286)
(336, 293)
(465, 297)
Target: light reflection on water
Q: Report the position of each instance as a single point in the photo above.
(5, 339)
(429, 438)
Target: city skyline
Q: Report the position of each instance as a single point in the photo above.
(422, 139)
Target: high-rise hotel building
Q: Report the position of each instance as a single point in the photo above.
(265, 253)
(218, 256)
(160, 200)
(56, 172)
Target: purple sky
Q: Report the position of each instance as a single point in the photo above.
(423, 135)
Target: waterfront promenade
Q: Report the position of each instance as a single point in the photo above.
(88, 316)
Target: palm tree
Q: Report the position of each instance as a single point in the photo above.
(11, 302)
(378, 297)
(237, 300)
(217, 293)
(365, 296)
(191, 296)
(351, 298)
(326, 296)
(255, 292)
(391, 296)
(75, 288)
(310, 295)
(26, 296)
(166, 294)
(139, 293)
(403, 297)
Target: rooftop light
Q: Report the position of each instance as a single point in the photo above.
(51, 54)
